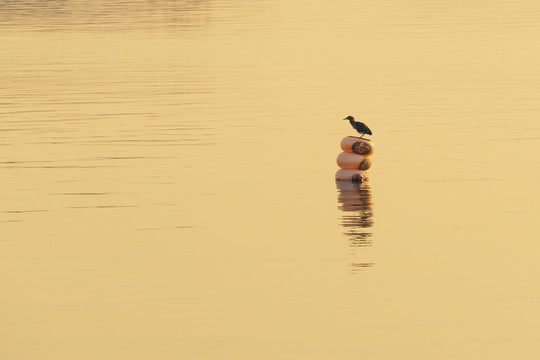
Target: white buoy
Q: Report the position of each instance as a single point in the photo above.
(351, 175)
(357, 145)
(353, 161)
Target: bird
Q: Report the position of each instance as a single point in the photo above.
(359, 126)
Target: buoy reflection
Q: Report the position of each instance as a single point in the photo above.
(354, 200)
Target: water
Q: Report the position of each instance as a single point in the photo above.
(168, 174)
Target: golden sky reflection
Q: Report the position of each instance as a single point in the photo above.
(168, 180)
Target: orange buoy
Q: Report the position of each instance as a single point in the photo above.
(351, 175)
(357, 145)
(353, 161)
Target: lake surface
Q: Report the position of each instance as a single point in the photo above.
(168, 180)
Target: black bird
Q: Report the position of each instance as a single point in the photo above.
(359, 126)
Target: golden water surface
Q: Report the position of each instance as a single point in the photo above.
(167, 172)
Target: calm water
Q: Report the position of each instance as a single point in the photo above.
(168, 180)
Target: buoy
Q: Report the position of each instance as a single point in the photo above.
(353, 161)
(351, 175)
(357, 145)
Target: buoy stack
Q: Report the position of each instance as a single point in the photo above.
(354, 160)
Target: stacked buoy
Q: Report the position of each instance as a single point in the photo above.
(354, 160)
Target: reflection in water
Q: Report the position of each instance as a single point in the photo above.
(357, 219)
(99, 15)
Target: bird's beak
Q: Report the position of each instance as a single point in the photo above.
(345, 119)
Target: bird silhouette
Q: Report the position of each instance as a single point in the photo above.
(359, 126)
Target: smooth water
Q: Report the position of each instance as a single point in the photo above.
(168, 180)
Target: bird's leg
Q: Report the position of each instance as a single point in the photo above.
(361, 137)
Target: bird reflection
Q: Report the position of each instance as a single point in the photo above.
(357, 218)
